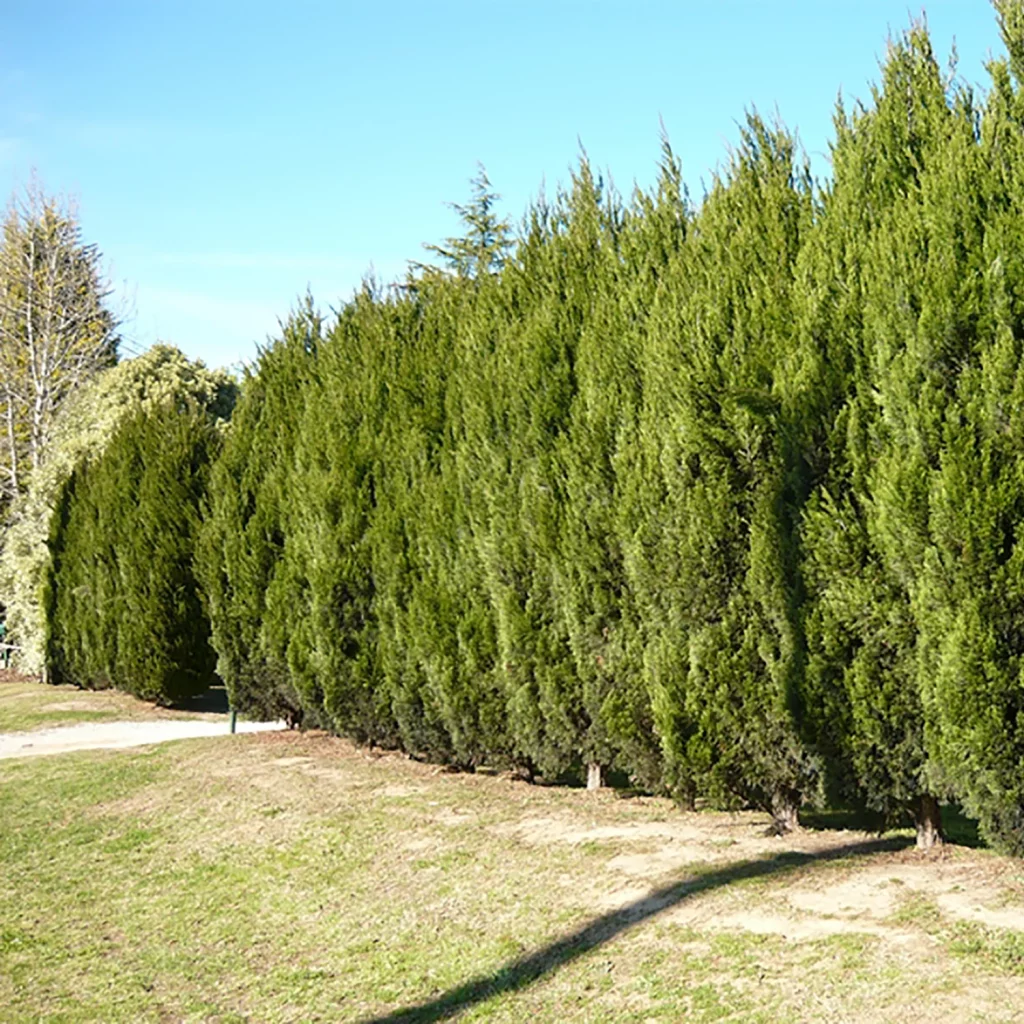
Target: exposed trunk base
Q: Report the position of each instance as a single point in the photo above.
(595, 775)
(785, 812)
(928, 819)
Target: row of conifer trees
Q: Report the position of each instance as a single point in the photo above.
(726, 497)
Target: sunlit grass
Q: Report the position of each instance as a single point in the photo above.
(284, 877)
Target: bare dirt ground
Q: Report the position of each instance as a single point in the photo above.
(890, 917)
(644, 842)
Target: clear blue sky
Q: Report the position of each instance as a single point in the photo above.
(227, 155)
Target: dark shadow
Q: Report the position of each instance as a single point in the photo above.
(857, 819)
(518, 974)
(959, 828)
(214, 699)
(615, 781)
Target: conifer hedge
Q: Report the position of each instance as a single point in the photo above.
(724, 496)
(239, 550)
(81, 431)
(122, 601)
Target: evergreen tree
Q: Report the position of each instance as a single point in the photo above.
(123, 603)
(518, 408)
(484, 246)
(320, 614)
(725, 647)
(649, 632)
(968, 596)
(724, 498)
(243, 535)
(82, 431)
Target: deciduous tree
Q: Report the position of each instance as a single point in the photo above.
(56, 326)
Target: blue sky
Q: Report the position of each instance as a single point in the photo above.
(225, 156)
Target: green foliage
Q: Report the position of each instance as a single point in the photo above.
(968, 598)
(484, 247)
(717, 561)
(242, 540)
(863, 685)
(912, 556)
(723, 496)
(123, 605)
(82, 431)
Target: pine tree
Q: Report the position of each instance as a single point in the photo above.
(484, 246)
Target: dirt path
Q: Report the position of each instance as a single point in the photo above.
(115, 735)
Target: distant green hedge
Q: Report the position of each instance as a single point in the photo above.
(82, 430)
(122, 602)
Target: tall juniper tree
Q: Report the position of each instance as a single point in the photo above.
(895, 287)
(726, 653)
(243, 535)
(123, 602)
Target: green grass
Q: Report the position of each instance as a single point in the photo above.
(27, 705)
(917, 910)
(12, 720)
(288, 878)
(999, 949)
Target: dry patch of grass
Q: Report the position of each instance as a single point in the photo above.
(286, 877)
(27, 705)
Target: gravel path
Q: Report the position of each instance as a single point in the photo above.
(114, 735)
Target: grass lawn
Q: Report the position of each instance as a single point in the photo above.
(26, 705)
(286, 877)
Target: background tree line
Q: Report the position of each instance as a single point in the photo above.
(725, 497)
(65, 400)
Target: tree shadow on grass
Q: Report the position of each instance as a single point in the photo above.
(524, 971)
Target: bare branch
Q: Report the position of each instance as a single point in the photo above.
(56, 329)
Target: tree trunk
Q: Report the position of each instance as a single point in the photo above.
(928, 819)
(688, 797)
(12, 446)
(785, 811)
(595, 775)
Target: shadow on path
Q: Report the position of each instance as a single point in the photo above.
(520, 973)
(213, 699)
